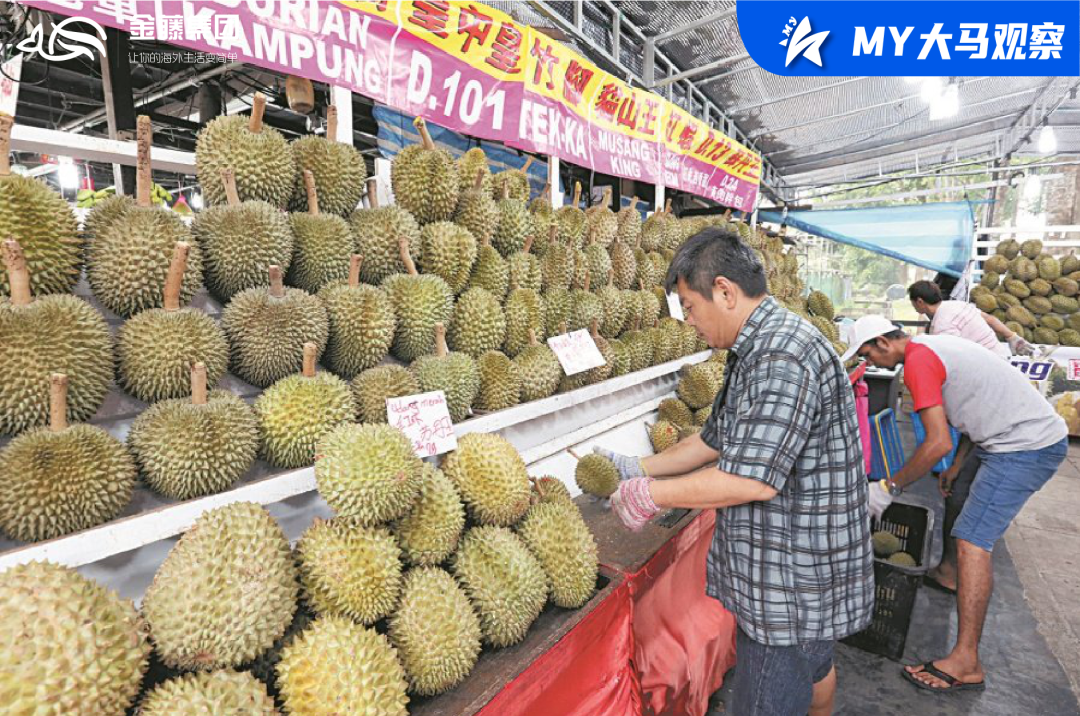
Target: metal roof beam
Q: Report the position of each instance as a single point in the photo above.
(784, 98)
(693, 25)
(1054, 94)
(701, 70)
(737, 71)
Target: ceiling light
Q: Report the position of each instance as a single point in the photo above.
(931, 89)
(68, 174)
(947, 104)
(1047, 140)
(196, 201)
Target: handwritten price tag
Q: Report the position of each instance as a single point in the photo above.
(674, 306)
(9, 84)
(577, 352)
(1074, 369)
(425, 420)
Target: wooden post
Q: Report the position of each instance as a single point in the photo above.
(58, 389)
(175, 279)
(6, 120)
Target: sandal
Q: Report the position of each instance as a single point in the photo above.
(953, 683)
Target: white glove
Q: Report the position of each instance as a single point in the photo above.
(1019, 346)
(628, 467)
(880, 499)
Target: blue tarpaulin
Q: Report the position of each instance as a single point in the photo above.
(935, 236)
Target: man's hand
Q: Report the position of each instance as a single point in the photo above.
(633, 503)
(947, 478)
(628, 467)
(1020, 346)
(880, 499)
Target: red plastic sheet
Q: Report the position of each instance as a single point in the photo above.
(587, 673)
(684, 639)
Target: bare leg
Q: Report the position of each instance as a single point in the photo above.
(824, 694)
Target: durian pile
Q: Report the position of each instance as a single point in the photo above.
(685, 414)
(1033, 293)
(419, 570)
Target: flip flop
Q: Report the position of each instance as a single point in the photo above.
(953, 683)
(934, 584)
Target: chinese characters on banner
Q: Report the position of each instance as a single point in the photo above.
(462, 65)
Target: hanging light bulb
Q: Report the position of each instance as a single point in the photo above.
(947, 104)
(931, 89)
(1047, 140)
(68, 173)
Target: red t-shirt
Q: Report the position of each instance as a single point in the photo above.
(924, 374)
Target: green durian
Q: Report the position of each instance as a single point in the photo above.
(525, 268)
(103, 214)
(1039, 305)
(513, 183)
(903, 559)
(471, 163)
(449, 252)
(1017, 288)
(491, 477)
(821, 305)
(675, 411)
(478, 324)
(628, 234)
(322, 244)
(1066, 286)
(1048, 267)
(514, 228)
(425, 179)
(601, 224)
(500, 382)
(570, 221)
(990, 279)
(372, 387)
(1031, 248)
(596, 475)
(361, 324)
(1040, 287)
(663, 435)
(377, 233)
(490, 271)
(549, 489)
(558, 310)
(217, 692)
(428, 534)
(1069, 337)
(997, 263)
(540, 370)
(338, 168)
(476, 211)
(453, 373)
(1023, 268)
(698, 385)
(1021, 315)
(1009, 248)
(1063, 304)
(419, 302)
(1069, 264)
(885, 543)
(558, 536)
(1045, 336)
(524, 314)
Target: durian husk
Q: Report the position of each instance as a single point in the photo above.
(558, 536)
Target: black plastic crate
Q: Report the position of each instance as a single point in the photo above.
(895, 587)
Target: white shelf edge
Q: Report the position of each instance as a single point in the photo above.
(999, 230)
(129, 533)
(96, 149)
(564, 442)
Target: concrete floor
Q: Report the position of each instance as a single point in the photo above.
(1031, 644)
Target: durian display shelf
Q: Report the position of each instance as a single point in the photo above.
(982, 248)
(96, 149)
(540, 430)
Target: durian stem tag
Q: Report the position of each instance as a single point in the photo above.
(425, 136)
(175, 278)
(312, 195)
(228, 179)
(18, 276)
(198, 384)
(277, 284)
(144, 178)
(440, 340)
(373, 193)
(6, 121)
(331, 123)
(58, 390)
(258, 108)
(354, 270)
(310, 351)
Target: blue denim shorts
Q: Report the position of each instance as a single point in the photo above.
(1003, 484)
(777, 680)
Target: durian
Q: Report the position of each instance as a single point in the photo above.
(513, 183)
(885, 543)
(525, 268)
(601, 224)
(587, 306)
(375, 385)
(549, 489)
(322, 244)
(558, 310)
(663, 435)
(524, 314)
(514, 227)
(478, 324)
(425, 179)
(624, 264)
(361, 323)
(676, 412)
(218, 692)
(1031, 248)
(628, 220)
(556, 533)
(419, 302)
(103, 214)
(540, 370)
(490, 271)
(453, 373)
(430, 531)
(377, 232)
(470, 164)
(338, 168)
(570, 221)
(1008, 248)
(476, 210)
(449, 252)
(556, 268)
(491, 477)
(821, 305)
(596, 475)
(698, 385)
(902, 559)
(500, 382)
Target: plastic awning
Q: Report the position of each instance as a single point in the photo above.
(935, 236)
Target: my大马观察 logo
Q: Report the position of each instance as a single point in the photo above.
(75, 42)
(802, 42)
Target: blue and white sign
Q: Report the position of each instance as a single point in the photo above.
(918, 38)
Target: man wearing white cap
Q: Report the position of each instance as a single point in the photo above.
(1020, 441)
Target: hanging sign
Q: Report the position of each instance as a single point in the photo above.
(424, 419)
(577, 352)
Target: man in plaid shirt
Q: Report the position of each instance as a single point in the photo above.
(780, 461)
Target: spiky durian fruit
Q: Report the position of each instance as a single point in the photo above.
(449, 252)
(620, 358)
(419, 302)
(663, 435)
(639, 348)
(500, 382)
(435, 630)
(425, 179)
(453, 373)
(68, 646)
(596, 475)
(191, 448)
(587, 306)
(361, 322)
(336, 667)
(598, 263)
(225, 592)
(260, 156)
(541, 205)
(524, 314)
(298, 410)
(504, 581)
(525, 268)
(624, 264)
(429, 532)
(513, 183)
(217, 692)
(478, 324)
(476, 210)
(826, 327)
(338, 168)
(268, 328)
(349, 570)
(375, 385)
(491, 477)
(570, 221)
(628, 221)
(240, 241)
(490, 272)
(53, 334)
(156, 349)
(540, 370)
(62, 479)
(581, 268)
(377, 232)
(103, 214)
(655, 231)
(1031, 248)
(615, 309)
(649, 307)
(819, 304)
(42, 222)
(699, 384)
(701, 415)
(601, 224)
(556, 533)
(368, 473)
(646, 272)
(558, 310)
(549, 489)
(514, 227)
(557, 266)
(322, 244)
(676, 412)
(470, 164)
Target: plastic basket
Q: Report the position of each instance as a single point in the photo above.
(920, 436)
(886, 450)
(895, 587)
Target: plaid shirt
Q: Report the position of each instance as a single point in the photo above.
(798, 567)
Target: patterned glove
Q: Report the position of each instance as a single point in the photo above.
(880, 499)
(1020, 346)
(633, 503)
(629, 467)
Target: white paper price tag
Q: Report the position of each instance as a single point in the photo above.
(9, 84)
(674, 306)
(1074, 369)
(577, 352)
(425, 420)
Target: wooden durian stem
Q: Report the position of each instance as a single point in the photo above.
(594, 328)
(528, 243)
(588, 278)
(545, 193)
(440, 340)
(425, 136)
(175, 279)
(532, 337)
(228, 179)
(406, 258)
(633, 203)
(198, 384)
(144, 178)
(667, 207)
(58, 390)
(506, 190)
(312, 195)
(528, 163)
(277, 284)
(331, 123)
(478, 183)
(641, 282)
(258, 108)
(553, 233)
(373, 193)
(577, 194)
(18, 276)
(310, 351)
(563, 328)
(574, 455)
(6, 120)
(611, 278)
(354, 270)
(607, 197)
(727, 214)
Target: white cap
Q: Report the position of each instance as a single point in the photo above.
(866, 329)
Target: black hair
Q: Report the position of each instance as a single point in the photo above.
(926, 290)
(891, 335)
(711, 253)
